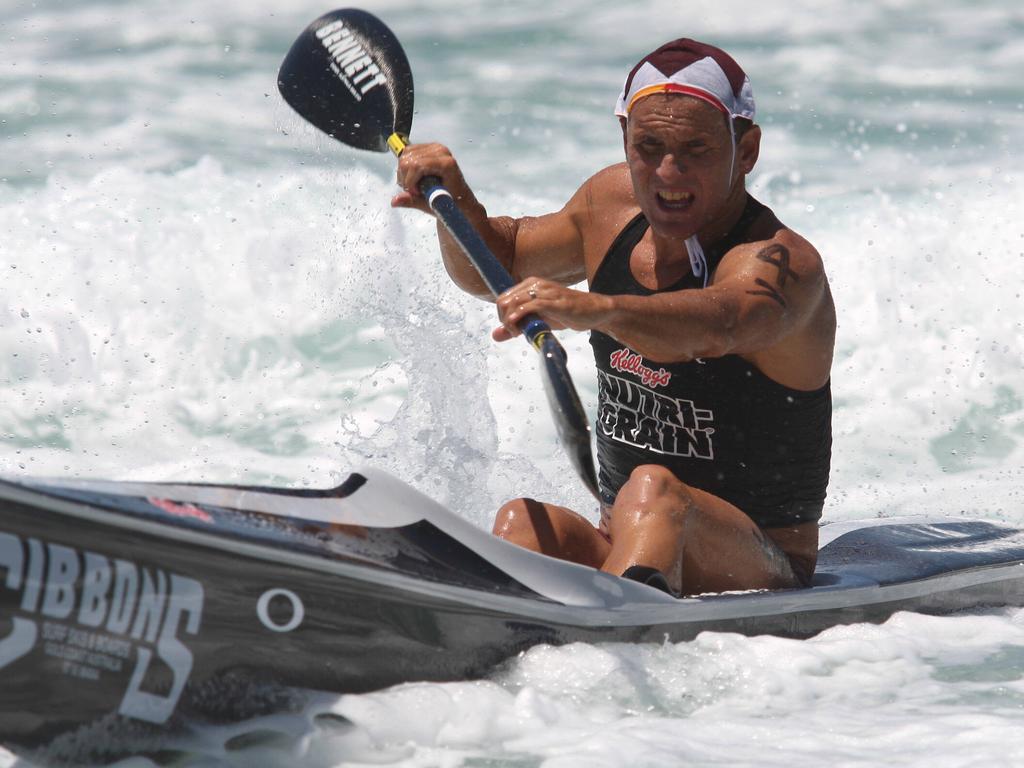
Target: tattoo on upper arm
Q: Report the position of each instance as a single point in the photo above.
(778, 256)
(769, 291)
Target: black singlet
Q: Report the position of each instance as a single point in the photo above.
(718, 424)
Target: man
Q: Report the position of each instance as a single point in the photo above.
(713, 331)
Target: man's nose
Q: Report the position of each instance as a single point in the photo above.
(671, 166)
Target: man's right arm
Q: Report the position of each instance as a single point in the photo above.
(549, 246)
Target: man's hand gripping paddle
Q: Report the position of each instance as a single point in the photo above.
(348, 75)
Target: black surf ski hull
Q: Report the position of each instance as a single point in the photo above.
(138, 608)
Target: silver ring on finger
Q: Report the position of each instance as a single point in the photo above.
(533, 293)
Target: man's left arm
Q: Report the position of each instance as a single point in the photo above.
(761, 293)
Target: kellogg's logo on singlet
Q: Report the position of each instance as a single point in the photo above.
(634, 414)
(631, 362)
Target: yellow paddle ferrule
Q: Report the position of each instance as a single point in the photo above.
(397, 142)
(538, 340)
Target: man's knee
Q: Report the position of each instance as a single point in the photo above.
(550, 530)
(652, 487)
(655, 480)
(653, 495)
(513, 518)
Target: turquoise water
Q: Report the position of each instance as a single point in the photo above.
(195, 285)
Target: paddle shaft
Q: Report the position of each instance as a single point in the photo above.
(472, 244)
(492, 272)
(570, 418)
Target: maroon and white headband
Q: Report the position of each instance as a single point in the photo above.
(692, 68)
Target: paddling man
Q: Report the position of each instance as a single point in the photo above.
(713, 331)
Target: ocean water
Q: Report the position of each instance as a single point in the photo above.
(195, 285)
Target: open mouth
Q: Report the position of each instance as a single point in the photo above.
(675, 201)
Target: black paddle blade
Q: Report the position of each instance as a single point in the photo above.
(348, 75)
(570, 418)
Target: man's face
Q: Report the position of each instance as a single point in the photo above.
(679, 152)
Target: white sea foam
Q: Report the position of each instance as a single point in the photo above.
(720, 699)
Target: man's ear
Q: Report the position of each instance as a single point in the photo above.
(622, 122)
(749, 149)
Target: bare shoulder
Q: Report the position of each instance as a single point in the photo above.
(775, 246)
(613, 181)
(777, 278)
(609, 186)
(780, 278)
(601, 207)
(791, 248)
(799, 247)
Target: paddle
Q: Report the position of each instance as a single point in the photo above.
(348, 75)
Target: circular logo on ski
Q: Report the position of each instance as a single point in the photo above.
(287, 609)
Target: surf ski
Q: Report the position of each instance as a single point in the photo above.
(140, 607)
